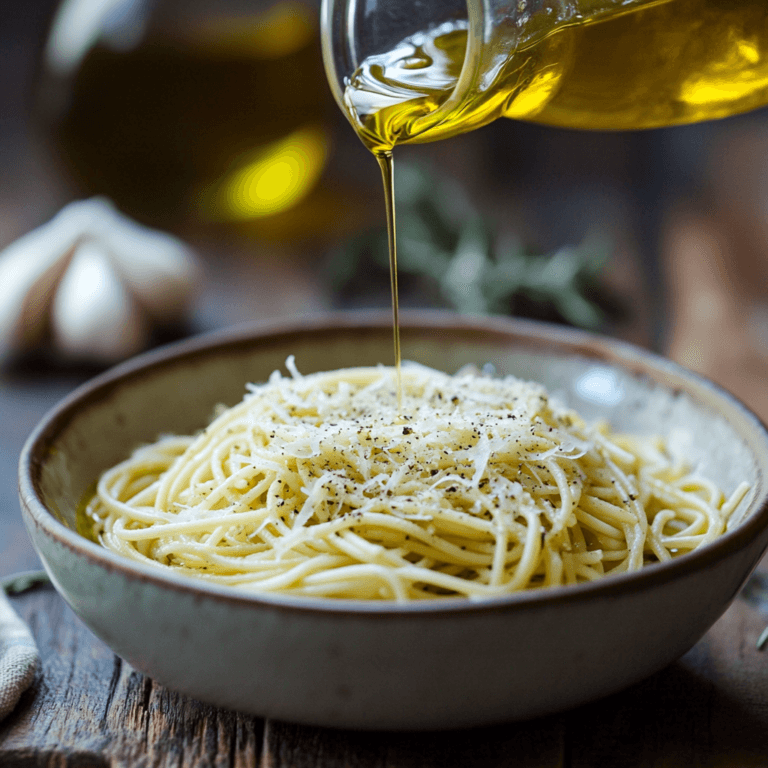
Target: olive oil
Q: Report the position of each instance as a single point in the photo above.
(221, 119)
(85, 525)
(386, 163)
(644, 65)
(665, 63)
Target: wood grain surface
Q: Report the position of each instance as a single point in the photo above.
(89, 709)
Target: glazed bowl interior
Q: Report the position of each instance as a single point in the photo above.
(178, 393)
(339, 663)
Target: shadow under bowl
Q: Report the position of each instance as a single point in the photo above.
(436, 664)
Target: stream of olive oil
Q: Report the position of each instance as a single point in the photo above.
(386, 163)
(663, 62)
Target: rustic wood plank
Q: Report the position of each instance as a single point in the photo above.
(537, 744)
(708, 709)
(90, 709)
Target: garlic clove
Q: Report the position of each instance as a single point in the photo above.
(30, 268)
(93, 315)
(158, 268)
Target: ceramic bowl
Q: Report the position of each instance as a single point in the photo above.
(361, 664)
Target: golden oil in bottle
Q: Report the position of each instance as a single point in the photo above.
(663, 63)
(220, 118)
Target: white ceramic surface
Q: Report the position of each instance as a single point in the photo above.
(358, 664)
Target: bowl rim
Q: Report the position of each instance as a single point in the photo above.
(572, 341)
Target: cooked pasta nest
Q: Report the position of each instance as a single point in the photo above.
(326, 485)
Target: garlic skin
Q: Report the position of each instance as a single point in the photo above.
(93, 314)
(93, 282)
(30, 269)
(155, 266)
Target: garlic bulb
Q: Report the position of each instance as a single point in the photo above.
(93, 282)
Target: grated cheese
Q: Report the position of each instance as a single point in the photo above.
(476, 486)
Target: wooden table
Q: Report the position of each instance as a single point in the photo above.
(91, 710)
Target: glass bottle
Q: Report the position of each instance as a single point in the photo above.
(408, 72)
(190, 111)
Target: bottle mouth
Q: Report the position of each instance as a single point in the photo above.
(341, 55)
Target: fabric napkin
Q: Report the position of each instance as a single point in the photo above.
(19, 658)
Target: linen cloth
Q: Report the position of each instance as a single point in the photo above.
(19, 658)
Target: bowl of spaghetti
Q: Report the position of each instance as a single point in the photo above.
(271, 520)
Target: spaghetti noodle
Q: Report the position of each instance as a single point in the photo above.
(316, 486)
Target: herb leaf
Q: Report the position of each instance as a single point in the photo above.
(451, 256)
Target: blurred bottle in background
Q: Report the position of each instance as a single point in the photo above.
(193, 111)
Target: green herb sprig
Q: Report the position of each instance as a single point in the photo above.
(451, 256)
